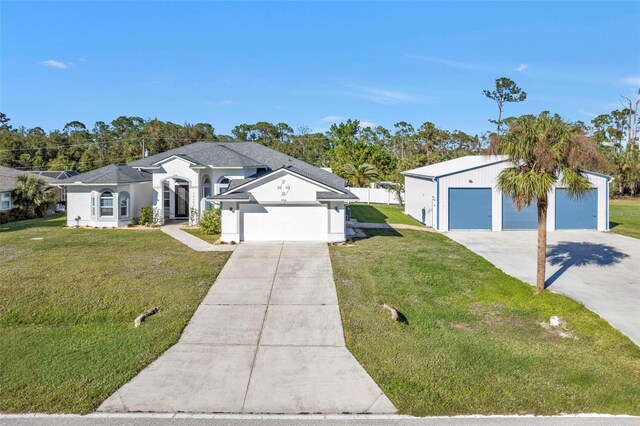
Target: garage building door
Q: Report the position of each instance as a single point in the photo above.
(526, 218)
(469, 208)
(283, 223)
(581, 213)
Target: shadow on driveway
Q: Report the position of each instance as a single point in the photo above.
(567, 254)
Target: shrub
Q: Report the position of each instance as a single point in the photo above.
(211, 222)
(146, 216)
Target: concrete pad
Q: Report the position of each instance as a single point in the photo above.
(300, 249)
(313, 325)
(309, 380)
(198, 378)
(249, 267)
(239, 291)
(255, 250)
(307, 267)
(597, 269)
(304, 291)
(225, 325)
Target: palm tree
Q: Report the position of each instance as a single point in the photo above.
(544, 151)
(360, 176)
(32, 196)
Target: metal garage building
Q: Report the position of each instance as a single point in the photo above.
(462, 194)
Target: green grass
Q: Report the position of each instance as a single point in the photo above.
(68, 303)
(197, 232)
(381, 213)
(624, 217)
(473, 342)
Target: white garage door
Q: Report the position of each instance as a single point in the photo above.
(283, 223)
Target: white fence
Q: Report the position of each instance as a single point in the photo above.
(375, 195)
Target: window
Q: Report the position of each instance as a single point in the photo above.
(106, 203)
(124, 204)
(5, 201)
(167, 196)
(223, 184)
(93, 206)
(206, 191)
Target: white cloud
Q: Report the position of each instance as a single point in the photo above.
(521, 67)
(364, 124)
(332, 118)
(222, 103)
(54, 64)
(384, 96)
(587, 113)
(632, 81)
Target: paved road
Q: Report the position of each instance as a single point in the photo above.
(336, 421)
(267, 339)
(601, 270)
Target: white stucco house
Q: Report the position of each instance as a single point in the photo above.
(264, 194)
(462, 194)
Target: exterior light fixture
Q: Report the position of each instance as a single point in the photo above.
(230, 209)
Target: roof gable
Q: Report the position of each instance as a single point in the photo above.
(457, 165)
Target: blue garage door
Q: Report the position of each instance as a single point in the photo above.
(469, 208)
(526, 218)
(574, 213)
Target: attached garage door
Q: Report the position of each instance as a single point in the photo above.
(283, 223)
(581, 213)
(469, 208)
(526, 218)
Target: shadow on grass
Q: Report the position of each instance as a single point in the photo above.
(56, 220)
(613, 224)
(569, 254)
(380, 232)
(367, 214)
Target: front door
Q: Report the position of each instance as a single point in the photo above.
(182, 201)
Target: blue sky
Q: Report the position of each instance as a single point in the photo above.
(312, 63)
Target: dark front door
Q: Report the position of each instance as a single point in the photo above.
(182, 201)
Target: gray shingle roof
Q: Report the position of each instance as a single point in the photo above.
(9, 178)
(215, 154)
(232, 196)
(113, 173)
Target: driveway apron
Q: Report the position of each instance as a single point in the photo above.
(267, 339)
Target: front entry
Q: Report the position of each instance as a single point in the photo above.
(182, 201)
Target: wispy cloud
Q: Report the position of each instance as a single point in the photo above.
(222, 103)
(383, 95)
(364, 124)
(632, 81)
(332, 118)
(450, 63)
(54, 64)
(587, 113)
(521, 67)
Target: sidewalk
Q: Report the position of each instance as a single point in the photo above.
(195, 243)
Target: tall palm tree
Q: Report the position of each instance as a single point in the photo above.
(544, 151)
(359, 176)
(32, 196)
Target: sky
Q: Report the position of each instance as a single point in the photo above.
(312, 63)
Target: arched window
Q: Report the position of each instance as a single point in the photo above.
(106, 203)
(223, 184)
(206, 187)
(124, 204)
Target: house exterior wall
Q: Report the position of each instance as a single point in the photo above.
(420, 194)
(295, 189)
(417, 190)
(337, 224)
(230, 222)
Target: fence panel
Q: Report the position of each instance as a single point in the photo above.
(375, 195)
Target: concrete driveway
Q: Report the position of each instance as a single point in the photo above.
(266, 339)
(600, 270)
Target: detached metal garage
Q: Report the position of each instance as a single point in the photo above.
(461, 194)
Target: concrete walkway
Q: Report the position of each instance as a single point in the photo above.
(267, 339)
(195, 243)
(598, 269)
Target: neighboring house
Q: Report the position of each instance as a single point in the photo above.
(8, 183)
(264, 194)
(61, 192)
(463, 194)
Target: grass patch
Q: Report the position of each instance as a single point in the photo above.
(68, 304)
(381, 213)
(197, 232)
(624, 217)
(473, 342)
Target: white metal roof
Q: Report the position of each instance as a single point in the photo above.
(456, 165)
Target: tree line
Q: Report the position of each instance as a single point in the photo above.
(357, 153)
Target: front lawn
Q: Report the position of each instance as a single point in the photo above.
(381, 213)
(69, 298)
(197, 232)
(624, 217)
(473, 342)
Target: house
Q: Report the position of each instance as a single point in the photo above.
(462, 194)
(264, 194)
(9, 182)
